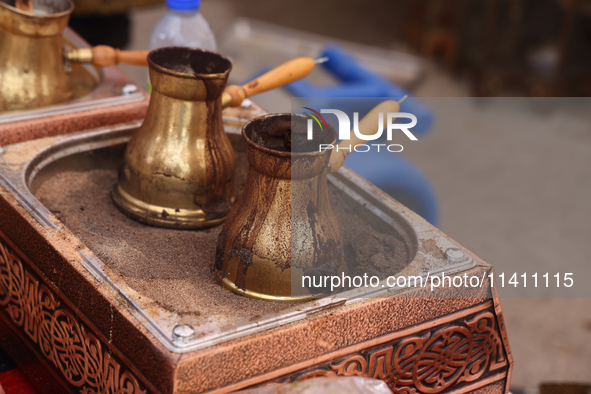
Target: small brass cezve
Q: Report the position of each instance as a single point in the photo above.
(283, 226)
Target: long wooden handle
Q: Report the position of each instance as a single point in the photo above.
(286, 73)
(25, 5)
(367, 126)
(103, 56)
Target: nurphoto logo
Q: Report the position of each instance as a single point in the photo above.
(345, 129)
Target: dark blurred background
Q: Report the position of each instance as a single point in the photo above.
(538, 48)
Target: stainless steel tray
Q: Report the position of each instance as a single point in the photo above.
(24, 164)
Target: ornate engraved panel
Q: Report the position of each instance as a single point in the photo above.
(64, 341)
(431, 362)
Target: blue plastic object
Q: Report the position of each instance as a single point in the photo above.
(183, 5)
(388, 171)
(357, 81)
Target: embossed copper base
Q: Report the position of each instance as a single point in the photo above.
(95, 337)
(465, 350)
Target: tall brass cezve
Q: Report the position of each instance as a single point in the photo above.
(179, 166)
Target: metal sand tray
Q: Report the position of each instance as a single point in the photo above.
(89, 300)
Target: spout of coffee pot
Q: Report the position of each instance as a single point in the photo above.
(281, 75)
(367, 125)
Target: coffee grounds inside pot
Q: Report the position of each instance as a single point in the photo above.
(190, 61)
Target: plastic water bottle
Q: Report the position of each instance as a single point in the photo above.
(182, 26)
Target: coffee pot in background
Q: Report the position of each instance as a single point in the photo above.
(34, 65)
(32, 70)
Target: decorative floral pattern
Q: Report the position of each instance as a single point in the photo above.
(66, 343)
(429, 363)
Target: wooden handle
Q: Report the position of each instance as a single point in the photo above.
(103, 56)
(282, 75)
(367, 126)
(25, 5)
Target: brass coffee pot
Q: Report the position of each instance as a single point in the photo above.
(31, 66)
(33, 63)
(178, 169)
(283, 226)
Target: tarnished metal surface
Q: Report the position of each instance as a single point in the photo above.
(285, 203)
(179, 166)
(32, 72)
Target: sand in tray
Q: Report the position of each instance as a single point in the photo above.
(173, 267)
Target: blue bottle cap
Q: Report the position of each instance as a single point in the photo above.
(183, 5)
